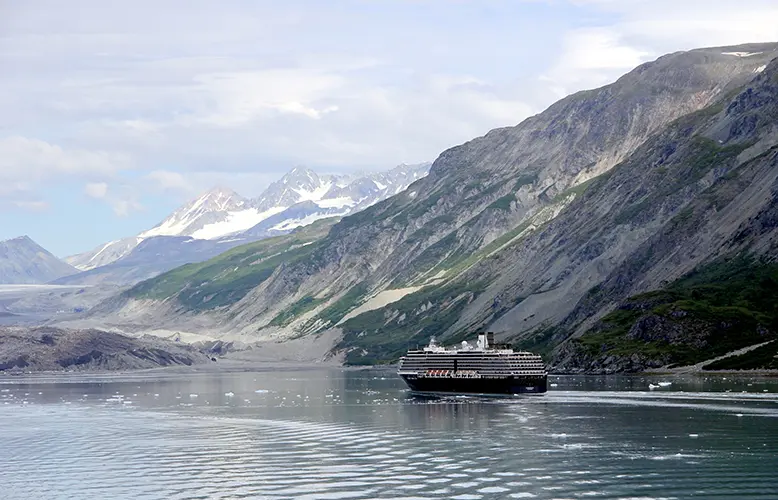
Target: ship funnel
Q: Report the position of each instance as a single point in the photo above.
(482, 342)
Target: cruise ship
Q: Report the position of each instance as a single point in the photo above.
(484, 369)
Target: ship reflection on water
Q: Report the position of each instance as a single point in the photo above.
(453, 414)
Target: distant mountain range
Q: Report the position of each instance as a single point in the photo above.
(221, 219)
(22, 261)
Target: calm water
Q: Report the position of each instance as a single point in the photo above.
(333, 434)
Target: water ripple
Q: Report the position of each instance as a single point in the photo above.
(579, 445)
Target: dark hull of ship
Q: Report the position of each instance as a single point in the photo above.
(488, 386)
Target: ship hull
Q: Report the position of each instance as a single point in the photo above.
(505, 386)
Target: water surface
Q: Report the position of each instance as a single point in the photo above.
(336, 434)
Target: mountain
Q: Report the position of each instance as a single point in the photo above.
(25, 262)
(221, 215)
(54, 349)
(537, 231)
(219, 207)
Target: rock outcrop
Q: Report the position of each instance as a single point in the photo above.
(55, 349)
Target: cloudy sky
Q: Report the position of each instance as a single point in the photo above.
(112, 113)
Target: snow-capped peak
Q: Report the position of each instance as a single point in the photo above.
(299, 198)
(221, 198)
(190, 218)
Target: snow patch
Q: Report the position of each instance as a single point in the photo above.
(343, 201)
(741, 54)
(315, 195)
(102, 249)
(760, 68)
(169, 227)
(235, 222)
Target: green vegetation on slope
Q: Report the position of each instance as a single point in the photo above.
(383, 335)
(761, 358)
(704, 155)
(228, 277)
(350, 300)
(299, 308)
(713, 310)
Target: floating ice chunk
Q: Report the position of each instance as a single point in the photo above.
(193, 395)
(738, 414)
(653, 386)
(554, 385)
(229, 394)
(261, 391)
(694, 435)
(665, 384)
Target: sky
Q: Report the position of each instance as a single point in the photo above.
(113, 113)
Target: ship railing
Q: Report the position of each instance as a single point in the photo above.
(452, 374)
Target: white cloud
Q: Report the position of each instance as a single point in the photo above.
(123, 207)
(166, 181)
(19, 196)
(122, 200)
(670, 25)
(32, 206)
(590, 58)
(641, 30)
(22, 158)
(238, 98)
(27, 166)
(96, 190)
(238, 93)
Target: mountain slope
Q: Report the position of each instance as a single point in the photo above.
(149, 258)
(716, 309)
(509, 231)
(25, 262)
(220, 281)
